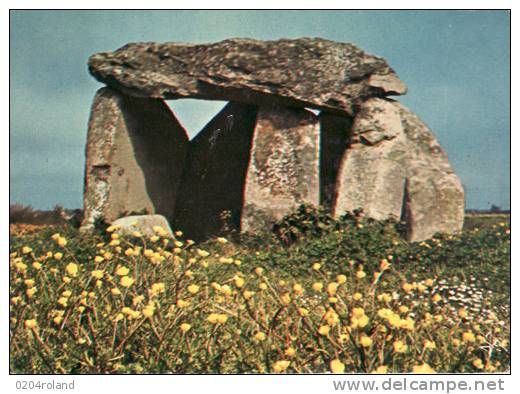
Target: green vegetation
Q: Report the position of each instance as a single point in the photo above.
(316, 294)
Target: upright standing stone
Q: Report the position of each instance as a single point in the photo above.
(134, 157)
(434, 194)
(214, 174)
(284, 166)
(395, 168)
(373, 168)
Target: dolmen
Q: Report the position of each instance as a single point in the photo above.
(308, 121)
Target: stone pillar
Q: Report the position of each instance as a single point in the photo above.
(373, 169)
(214, 174)
(134, 157)
(434, 196)
(283, 169)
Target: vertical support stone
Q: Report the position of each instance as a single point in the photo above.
(284, 166)
(434, 194)
(335, 138)
(373, 168)
(434, 203)
(134, 157)
(214, 174)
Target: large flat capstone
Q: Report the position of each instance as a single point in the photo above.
(303, 72)
(134, 158)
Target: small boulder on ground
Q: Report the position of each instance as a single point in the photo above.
(147, 225)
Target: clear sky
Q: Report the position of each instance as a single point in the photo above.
(456, 65)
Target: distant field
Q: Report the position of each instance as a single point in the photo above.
(480, 220)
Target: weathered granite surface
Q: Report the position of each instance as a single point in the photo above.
(283, 168)
(144, 224)
(303, 72)
(372, 173)
(395, 168)
(134, 157)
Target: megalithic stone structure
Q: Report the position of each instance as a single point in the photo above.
(373, 170)
(395, 168)
(265, 153)
(215, 172)
(135, 155)
(283, 169)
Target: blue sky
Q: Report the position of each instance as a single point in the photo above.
(456, 65)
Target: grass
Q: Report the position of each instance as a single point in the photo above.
(314, 295)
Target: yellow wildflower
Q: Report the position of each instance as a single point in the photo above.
(360, 274)
(430, 345)
(262, 286)
(157, 288)
(286, 299)
(30, 292)
(357, 296)
(341, 279)
(222, 318)
(337, 366)
(317, 286)
(137, 299)
(365, 341)
(407, 287)
(122, 271)
(239, 282)
(468, 336)
(148, 311)
(477, 363)
(298, 289)
(202, 253)
(72, 269)
(259, 270)
(37, 265)
(26, 250)
(423, 368)
(185, 327)
(248, 294)
(98, 274)
(324, 330)
(403, 309)
(400, 347)
(115, 291)
(182, 303)
(193, 289)
(29, 282)
(259, 336)
(126, 281)
(380, 369)
(58, 256)
(316, 266)
(99, 259)
(289, 352)
(281, 366)
(31, 324)
(303, 312)
(332, 288)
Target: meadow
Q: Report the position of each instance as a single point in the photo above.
(314, 295)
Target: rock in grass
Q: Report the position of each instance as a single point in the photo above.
(145, 224)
